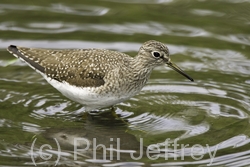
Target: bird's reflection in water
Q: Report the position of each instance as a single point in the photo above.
(101, 137)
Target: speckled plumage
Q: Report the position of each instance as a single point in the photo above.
(96, 77)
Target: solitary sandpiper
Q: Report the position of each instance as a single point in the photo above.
(97, 78)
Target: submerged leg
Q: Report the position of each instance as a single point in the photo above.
(103, 111)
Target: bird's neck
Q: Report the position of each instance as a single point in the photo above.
(141, 68)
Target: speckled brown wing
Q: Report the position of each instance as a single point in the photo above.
(79, 67)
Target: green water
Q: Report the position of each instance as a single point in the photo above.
(208, 118)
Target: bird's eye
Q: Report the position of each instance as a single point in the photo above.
(156, 54)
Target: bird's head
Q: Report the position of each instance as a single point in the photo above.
(156, 53)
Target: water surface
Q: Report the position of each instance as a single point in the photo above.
(208, 118)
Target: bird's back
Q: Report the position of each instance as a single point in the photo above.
(79, 67)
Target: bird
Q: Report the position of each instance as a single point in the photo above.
(97, 78)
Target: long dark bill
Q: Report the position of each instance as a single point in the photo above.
(179, 70)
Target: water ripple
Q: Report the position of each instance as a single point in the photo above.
(202, 12)
(220, 91)
(235, 38)
(125, 28)
(154, 125)
(233, 1)
(78, 9)
(75, 9)
(142, 1)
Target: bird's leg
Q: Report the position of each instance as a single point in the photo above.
(105, 111)
(108, 113)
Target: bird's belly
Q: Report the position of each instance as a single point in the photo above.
(88, 96)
